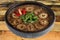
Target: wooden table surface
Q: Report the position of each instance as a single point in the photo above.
(54, 34)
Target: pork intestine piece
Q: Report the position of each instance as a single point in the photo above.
(30, 27)
(14, 15)
(44, 22)
(21, 26)
(29, 9)
(37, 11)
(16, 21)
(43, 15)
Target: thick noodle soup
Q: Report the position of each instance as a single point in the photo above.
(29, 18)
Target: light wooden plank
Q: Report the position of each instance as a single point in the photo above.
(2, 1)
(2, 12)
(44, 2)
(3, 26)
(50, 2)
(56, 26)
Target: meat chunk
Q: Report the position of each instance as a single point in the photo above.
(44, 22)
(14, 15)
(43, 15)
(30, 27)
(38, 11)
(21, 27)
(16, 21)
(29, 9)
(38, 26)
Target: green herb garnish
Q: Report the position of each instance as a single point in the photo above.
(29, 17)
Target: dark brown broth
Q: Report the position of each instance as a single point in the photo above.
(20, 25)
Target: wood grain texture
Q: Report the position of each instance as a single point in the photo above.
(46, 2)
(50, 2)
(2, 1)
(8, 35)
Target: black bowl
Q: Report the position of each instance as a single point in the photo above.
(29, 34)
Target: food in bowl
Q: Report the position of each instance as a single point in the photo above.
(29, 18)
